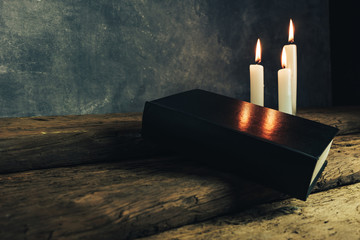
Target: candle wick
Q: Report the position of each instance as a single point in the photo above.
(258, 61)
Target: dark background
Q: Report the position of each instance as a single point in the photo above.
(345, 52)
(83, 56)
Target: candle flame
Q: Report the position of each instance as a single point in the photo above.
(258, 52)
(291, 31)
(283, 58)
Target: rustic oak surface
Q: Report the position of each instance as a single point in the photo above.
(347, 119)
(132, 198)
(43, 142)
(118, 200)
(333, 214)
(343, 163)
(127, 198)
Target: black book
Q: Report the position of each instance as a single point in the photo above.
(281, 151)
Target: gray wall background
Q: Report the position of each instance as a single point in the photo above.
(85, 56)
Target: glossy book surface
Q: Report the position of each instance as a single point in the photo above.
(257, 142)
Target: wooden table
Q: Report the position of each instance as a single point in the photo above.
(93, 177)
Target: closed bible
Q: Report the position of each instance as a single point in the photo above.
(281, 151)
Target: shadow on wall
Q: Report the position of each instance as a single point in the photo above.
(66, 57)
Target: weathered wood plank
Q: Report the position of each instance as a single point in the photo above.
(39, 126)
(44, 142)
(343, 163)
(109, 201)
(139, 197)
(333, 214)
(347, 119)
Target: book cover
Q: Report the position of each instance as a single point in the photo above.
(278, 150)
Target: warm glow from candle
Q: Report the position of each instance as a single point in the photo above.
(291, 31)
(244, 116)
(258, 52)
(283, 58)
(270, 124)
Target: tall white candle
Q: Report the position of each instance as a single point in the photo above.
(257, 78)
(284, 86)
(291, 55)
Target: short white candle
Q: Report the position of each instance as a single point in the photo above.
(284, 86)
(257, 78)
(291, 62)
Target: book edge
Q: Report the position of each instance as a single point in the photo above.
(315, 180)
(315, 158)
(321, 161)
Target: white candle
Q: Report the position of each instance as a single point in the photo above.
(257, 78)
(284, 86)
(291, 56)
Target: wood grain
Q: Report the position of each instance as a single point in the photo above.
(108, 201)
(343, 163)
(347, 119)
(55, 141)
(333, 214)
(38, 126)
(127, 199)
(43, 142)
